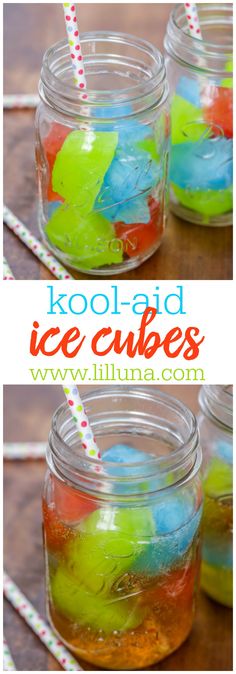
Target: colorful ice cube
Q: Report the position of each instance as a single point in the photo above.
(77, 603)
(206, 165)
(80, 166)
(89, 238)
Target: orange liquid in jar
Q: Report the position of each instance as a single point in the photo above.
(159, 608)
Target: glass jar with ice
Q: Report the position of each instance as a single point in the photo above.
(201, 90)
(102, 157)
(122, 534)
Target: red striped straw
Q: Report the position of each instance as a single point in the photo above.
(81, 421)
(193, 20)
(75, 46)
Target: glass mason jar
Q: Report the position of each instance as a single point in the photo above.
(102, 160)
(122, 534)
(216, 424)
(200, 78)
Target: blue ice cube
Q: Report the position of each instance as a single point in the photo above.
(225, 451)
(120, 455)
(133, 173)
(130, 131)
(123, 454)
(205, 165)
(176, 527)
(52, 206)
(218, 553)
(189, 89)
(134, 210)
(175, 522)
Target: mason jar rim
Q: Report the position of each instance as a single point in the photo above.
(216, 401)
(186, 47)
(180, 465)
(51, 82)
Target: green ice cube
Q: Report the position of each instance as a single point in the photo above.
(228, 81)
(81, 164)
(208, 202)
(78, 604)
(186, 121)
(218, 481)
(109, 543)
(90, 238)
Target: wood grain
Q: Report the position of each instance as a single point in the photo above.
(188, 251)
(27, 416)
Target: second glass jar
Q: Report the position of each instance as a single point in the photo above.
(216, 434)
(102, 154)
(201, 90)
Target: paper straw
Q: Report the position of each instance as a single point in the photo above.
(8, 663)
(75, 46)
(81, 420)
(37, 248)
(24, 450)
(193, 20)
(38, 625)
(7, 272)
(19, 101)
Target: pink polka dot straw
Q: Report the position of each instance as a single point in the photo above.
(193, 20)
(75, 46)
(82, 423)
(26, 610)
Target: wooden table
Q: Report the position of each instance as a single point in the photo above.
(27, 416)
(188, 251)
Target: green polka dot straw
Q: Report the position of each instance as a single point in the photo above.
(82, 423)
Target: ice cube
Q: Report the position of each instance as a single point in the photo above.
(132, 174)
(187, 122)
(81, 164)
(77, 603)
(218, 480)
(89, 238)
(205, 165)
(189, 89)
(207, 202)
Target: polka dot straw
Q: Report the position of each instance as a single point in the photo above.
(15, 101)
(37, 248)
(75, 46)
(24, 450)
(7, 272)
(38, 625)
(193, 20)
(8, 664)
(82, 423)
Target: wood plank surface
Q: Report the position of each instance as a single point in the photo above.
(27, 417)
(188, 251)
